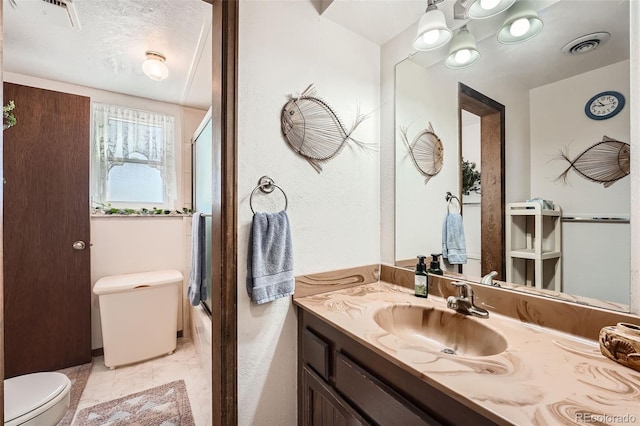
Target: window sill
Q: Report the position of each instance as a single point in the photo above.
(101, 215)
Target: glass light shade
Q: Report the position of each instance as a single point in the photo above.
(154, 66)
(463, 51)
(480, 9)
(432, 31)
(522, 23)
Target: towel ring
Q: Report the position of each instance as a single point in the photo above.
(449, 197)
(266, 185)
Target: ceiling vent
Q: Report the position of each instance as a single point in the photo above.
(57, 12)
(585, 44)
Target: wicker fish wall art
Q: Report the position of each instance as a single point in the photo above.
(314, 130)
(426, 151)
(604, 162)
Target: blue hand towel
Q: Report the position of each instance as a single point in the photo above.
(270, 258)
(454, 247)
(197, 286)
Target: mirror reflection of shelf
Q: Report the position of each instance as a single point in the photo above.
(533, 245)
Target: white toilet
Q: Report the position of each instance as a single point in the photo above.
(37, 399)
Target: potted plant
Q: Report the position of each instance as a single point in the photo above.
(470, 178)
(8, 118)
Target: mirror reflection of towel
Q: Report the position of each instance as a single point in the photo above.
(270, 258)
(454, 247)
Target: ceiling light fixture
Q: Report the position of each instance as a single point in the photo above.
(481, 9)
(432, 28)
(521, 24)
(463, 51)
(154, 66)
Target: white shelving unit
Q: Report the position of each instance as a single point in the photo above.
(533, 245)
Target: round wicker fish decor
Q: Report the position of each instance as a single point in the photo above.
(314, 130)
(426, 151)
(604, 162)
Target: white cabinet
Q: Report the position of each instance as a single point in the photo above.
(533, 245)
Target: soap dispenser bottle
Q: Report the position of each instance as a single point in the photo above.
(420, 280)
(434, 267)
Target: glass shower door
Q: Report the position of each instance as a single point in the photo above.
(202, 151)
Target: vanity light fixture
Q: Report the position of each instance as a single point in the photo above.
(432, 28)
(521, 24)
(154, 66)
(481, 9)
(463, 51)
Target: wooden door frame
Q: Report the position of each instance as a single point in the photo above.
(224, 99)
(1, 236)
(224, 337)
(492, 119)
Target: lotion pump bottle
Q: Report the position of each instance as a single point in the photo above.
(434, 267)
(420, 279)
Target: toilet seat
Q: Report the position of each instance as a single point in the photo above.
(31, 395)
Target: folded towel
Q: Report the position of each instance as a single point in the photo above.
(270, 258)
(197, 290)
(454, 247)
(546, 204)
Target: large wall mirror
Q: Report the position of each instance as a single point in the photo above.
(586, 232)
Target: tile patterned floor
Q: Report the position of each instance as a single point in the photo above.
(105, 384)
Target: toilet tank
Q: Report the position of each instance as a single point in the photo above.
(139, 313)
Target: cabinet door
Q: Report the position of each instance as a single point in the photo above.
(322, 407)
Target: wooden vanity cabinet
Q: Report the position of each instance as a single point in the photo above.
(322, 406)
(342, 382)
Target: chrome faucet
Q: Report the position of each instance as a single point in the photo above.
(464, 303)
(488, 279)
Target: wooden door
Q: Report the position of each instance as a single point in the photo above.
(47, 283)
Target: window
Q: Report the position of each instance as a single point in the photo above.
(133, 161)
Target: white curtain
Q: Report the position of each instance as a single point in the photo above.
(122, 134)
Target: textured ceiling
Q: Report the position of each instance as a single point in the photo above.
(107, 51)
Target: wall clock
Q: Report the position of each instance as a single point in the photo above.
(604, 105)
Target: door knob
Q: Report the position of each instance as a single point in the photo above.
(78, 245)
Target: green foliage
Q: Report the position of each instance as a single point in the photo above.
(107, 209)
(470, 178)
(8, 118)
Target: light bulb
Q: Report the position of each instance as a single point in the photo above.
(430, 37)
(462, 56)
(519, 27)
(488, 4)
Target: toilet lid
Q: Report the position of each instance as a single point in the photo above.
(23, 394)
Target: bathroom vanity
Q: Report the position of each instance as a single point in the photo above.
(375, 354)
(341, 378)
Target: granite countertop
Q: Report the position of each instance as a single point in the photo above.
(544, 377)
